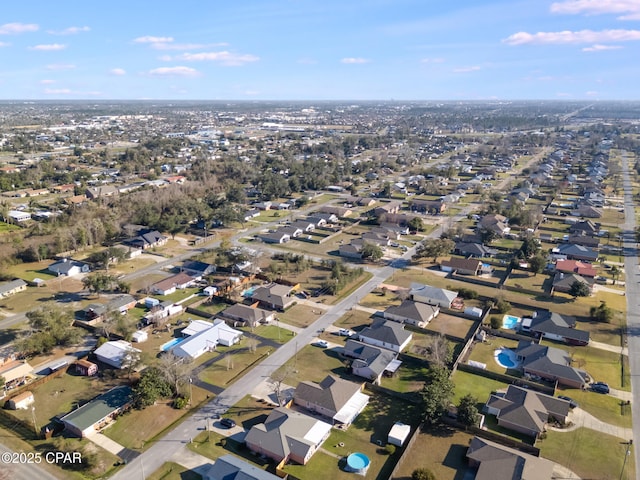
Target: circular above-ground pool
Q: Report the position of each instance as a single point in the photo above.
(358, 463)
(506, 358)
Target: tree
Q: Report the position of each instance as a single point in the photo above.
(435, 248)
(174, 371)
(423, 474)
(439, 350)
(436, 393)
(416, 224)
(615, 273)
(131, 361)
(151, 387)
(467, 410)
(537, 264)
(276, 381)
(371, 251)
(579, 289)
(50, 327)
(601, 313)
(530, 247)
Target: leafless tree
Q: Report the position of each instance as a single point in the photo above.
(276, 381)
(439, 350)
(174, 370)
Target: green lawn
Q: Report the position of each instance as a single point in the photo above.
(232, 366)
(604, 407)
(180, 294)
(173, 471)
(300, 315)
(271, 332)
(588, 453)
(7, 227)
(313, 364)
(478, 386)
(484, 352)
(354, 318)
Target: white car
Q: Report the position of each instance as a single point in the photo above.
(320, 343)
(345, 332)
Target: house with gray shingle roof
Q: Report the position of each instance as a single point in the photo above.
(334, 398)
(414, 313)
(274, 295)
(229, 467)
(287, 435)
(370, 362)
(432, 295)
(555, 326)
(386, 334)
(11, 288)
(526, 411)
(550, 363)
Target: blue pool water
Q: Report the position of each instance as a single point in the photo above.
(249, 291)
(505, 358)
(509, 321)
(358, 461)
(170, 344)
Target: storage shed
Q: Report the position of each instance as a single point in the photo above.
(22, 401)
(139, 336)
(398, 434)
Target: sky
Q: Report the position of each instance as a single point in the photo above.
(321, 50)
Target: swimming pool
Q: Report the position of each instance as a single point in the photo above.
(510, 322)
(358, 462)
(170, 344)
(505, 358)
(249, 291)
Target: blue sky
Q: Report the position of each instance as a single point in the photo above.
(321, 50)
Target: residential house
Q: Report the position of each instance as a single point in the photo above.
(492, 461)
(146, 239)
(175, 282)
(101, 191)
(121, 303)
(563, 282)
(338, 211)
(86, 368)
(290, 230)
(195, 327)
(413, 313)
(274, 296)
(555, 326)
(432, 295)
(526, 411)
(495, 223)
(118, 353)
(274, 237)
(304, 225)
(288, 436)
(316, 220)
(550, 364)
(327, 217)
(587, 211)
(386, 334)
(576, 266)
(427, 206)
(207, 340)
(230, 467)
(94, 313)
(587, 227)
(68, 267)
(198, 269)
(461, 266)
(339, 400)
(249, 214)
(11, 288)
(576, 252)
(393, 206)
(371, 362)
(93, 416)
(247, 315)
(17, 216)
(351, 250)
(584, 240)
(15, 373)
(471, 249)
(161, 311)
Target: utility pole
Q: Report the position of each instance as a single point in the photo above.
(626, 455)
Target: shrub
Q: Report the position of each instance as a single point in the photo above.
(390, 449)
(502, 306)
(496, 323)
(467, 293)
(423, 474)
(180, 402)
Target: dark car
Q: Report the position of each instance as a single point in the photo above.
(600, 387)
(227, 423)
(572, 402)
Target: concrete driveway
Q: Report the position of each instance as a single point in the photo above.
(579, 418)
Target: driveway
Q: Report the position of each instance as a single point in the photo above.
(579, 418)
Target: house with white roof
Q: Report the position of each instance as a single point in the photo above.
(207, 340)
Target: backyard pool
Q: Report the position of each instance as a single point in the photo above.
(170, 344)
(510, 322)
(249, 292)
(358, 463)
(505, 358)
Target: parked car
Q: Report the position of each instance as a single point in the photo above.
(227, 423)
(600, 387)
(572, 402)
(345, 332)
(320, 343)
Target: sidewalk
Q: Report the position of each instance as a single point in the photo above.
(105, 442)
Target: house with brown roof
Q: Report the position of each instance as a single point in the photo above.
(526, 411)
(576, 266)
(461, 266)
(339, 400)
(550, 363)
(169, 285)
(274, 296)
(248, 315)
(492, 461)
(563, 282)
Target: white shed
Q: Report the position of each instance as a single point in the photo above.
(398, 434)
(139, 336)
(473, 312)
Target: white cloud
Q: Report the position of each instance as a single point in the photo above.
(185, 46)
(354, 60)
(630, 9)
(600, 48)
(473, 68)
(432, 60)
(57, 91)
(14, 28)
(224, 57)
(567, 36)
(49, 47)
(174, 72)
(69, 31)
(151, 39)
(4, 44)
(118, 71)
(61, 66)
(47, 82)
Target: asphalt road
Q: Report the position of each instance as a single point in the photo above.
(632, 287)
(20, 471)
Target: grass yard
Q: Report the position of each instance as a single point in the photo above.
(271, 332)
(589, 454)
(442, 450)
(378, 301)
(173, 471)
(478, 386)
(409, 378)
(232, 365)
(300, 315)
(7, 228)
(604, 407)
(213, 445)
(484, 352)
(249, 412)
(213, 308)
(354, 319)
(451, 325)
(137, 427)
(528, 281)
(180, 294)
(313, 364)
